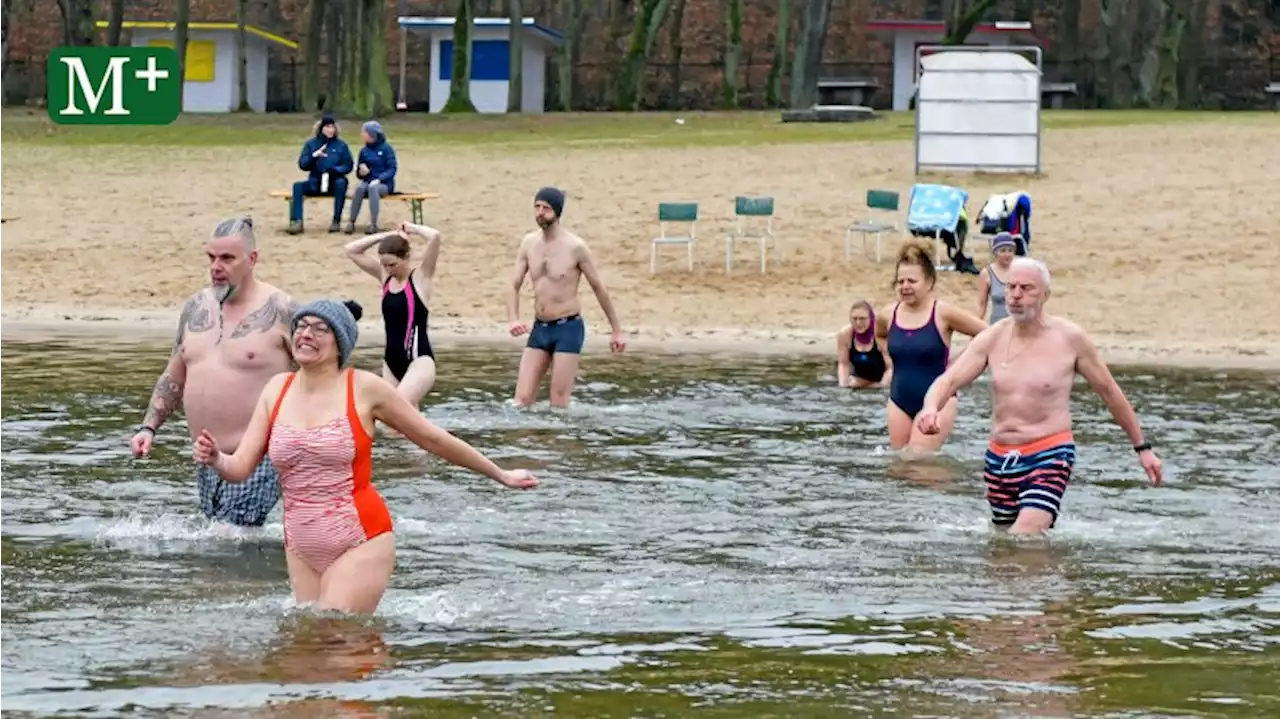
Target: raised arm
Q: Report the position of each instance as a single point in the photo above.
(391, 407)
(432, 255)
(984, 291)
(844, 368)
(960, 374)
(587, 264)
(517, 280)
(356, 252)
(253, 444)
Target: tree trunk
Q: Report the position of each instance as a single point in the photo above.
(648, 23)
(773, 86)
(806, 63)
(460, 80)
(311, 56)
(333, 26)
(732, 50)
(1168, 49)
(242, 59)
(570, 52)
(181, 32)
(1191, 53)
(377, 77)
(613, 54)
(515, 75)
(1115, 79)
(675, 33)
(963, 18)
(77, 22)
(4, 52)
(115, 23)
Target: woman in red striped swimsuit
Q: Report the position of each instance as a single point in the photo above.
(317, 426)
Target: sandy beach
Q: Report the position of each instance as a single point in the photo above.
(1162, 239)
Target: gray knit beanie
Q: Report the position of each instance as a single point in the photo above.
(342, 318)
(374, 128)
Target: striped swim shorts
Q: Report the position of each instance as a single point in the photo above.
(1030, 476)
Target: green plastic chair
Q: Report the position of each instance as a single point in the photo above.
(881, 205)
(685, 213)
(749, 213)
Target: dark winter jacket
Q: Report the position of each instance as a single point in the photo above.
(380, 157)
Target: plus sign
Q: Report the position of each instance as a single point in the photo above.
(151, 74)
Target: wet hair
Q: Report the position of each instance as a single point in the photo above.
(916, 253)
(1036, 266)
(241, 227)
(394, 245)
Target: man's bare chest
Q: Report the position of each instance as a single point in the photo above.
(553, 265)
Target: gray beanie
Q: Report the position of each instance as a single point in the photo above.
(342, 318)
(374, 128)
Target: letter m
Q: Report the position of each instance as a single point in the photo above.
(113, 77)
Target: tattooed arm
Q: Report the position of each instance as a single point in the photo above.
(166, 398)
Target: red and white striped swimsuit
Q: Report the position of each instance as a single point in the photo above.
(330, 505)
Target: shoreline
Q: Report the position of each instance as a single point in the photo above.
(36, 324)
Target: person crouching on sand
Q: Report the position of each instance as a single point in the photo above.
(860, 359)
(338, 535)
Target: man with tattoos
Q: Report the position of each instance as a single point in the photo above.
(232, 337)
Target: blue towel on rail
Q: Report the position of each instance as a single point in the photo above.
(935, 208)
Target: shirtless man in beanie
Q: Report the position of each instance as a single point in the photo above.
(555, 260)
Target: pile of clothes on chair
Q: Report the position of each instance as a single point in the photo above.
(1009, 212)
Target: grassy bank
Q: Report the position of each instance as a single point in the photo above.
(649, 129)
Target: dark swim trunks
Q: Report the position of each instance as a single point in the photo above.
(563, 335)
(1033, 476)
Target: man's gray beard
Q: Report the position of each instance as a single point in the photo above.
(222, 293)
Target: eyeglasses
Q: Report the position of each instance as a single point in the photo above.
(317, 328)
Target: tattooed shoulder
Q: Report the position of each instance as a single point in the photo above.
(275, 311)
(195, 317)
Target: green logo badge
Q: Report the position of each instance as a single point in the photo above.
(113, 86)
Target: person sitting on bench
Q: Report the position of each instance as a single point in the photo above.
(377, 173)
(328, 161)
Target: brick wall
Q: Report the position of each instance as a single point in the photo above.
(1241, 40)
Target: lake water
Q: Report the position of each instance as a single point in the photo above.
(714, 535)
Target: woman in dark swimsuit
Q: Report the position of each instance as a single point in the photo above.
(860, 361)
(408, 361)
(916, 330)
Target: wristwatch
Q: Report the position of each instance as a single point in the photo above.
(1140, 448)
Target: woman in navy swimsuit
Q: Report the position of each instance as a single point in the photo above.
(916, 330)
(408, 361)
(860, 360)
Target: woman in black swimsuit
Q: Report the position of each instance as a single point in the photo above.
(860, 361)
(408, 361)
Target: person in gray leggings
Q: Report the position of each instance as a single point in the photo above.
(376, 169)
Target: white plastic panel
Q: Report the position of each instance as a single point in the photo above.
(978, 108)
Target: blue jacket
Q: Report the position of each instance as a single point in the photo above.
(381, 159)
(337, 159)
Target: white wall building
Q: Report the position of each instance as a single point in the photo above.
(490, 61)
(212, 73)
(907, 35)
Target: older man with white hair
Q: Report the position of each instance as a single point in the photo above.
(1033, 357)
(233, 336)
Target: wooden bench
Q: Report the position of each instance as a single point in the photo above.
(1054, 92)
(414, 199)
(1273, 89)
(846, 91)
